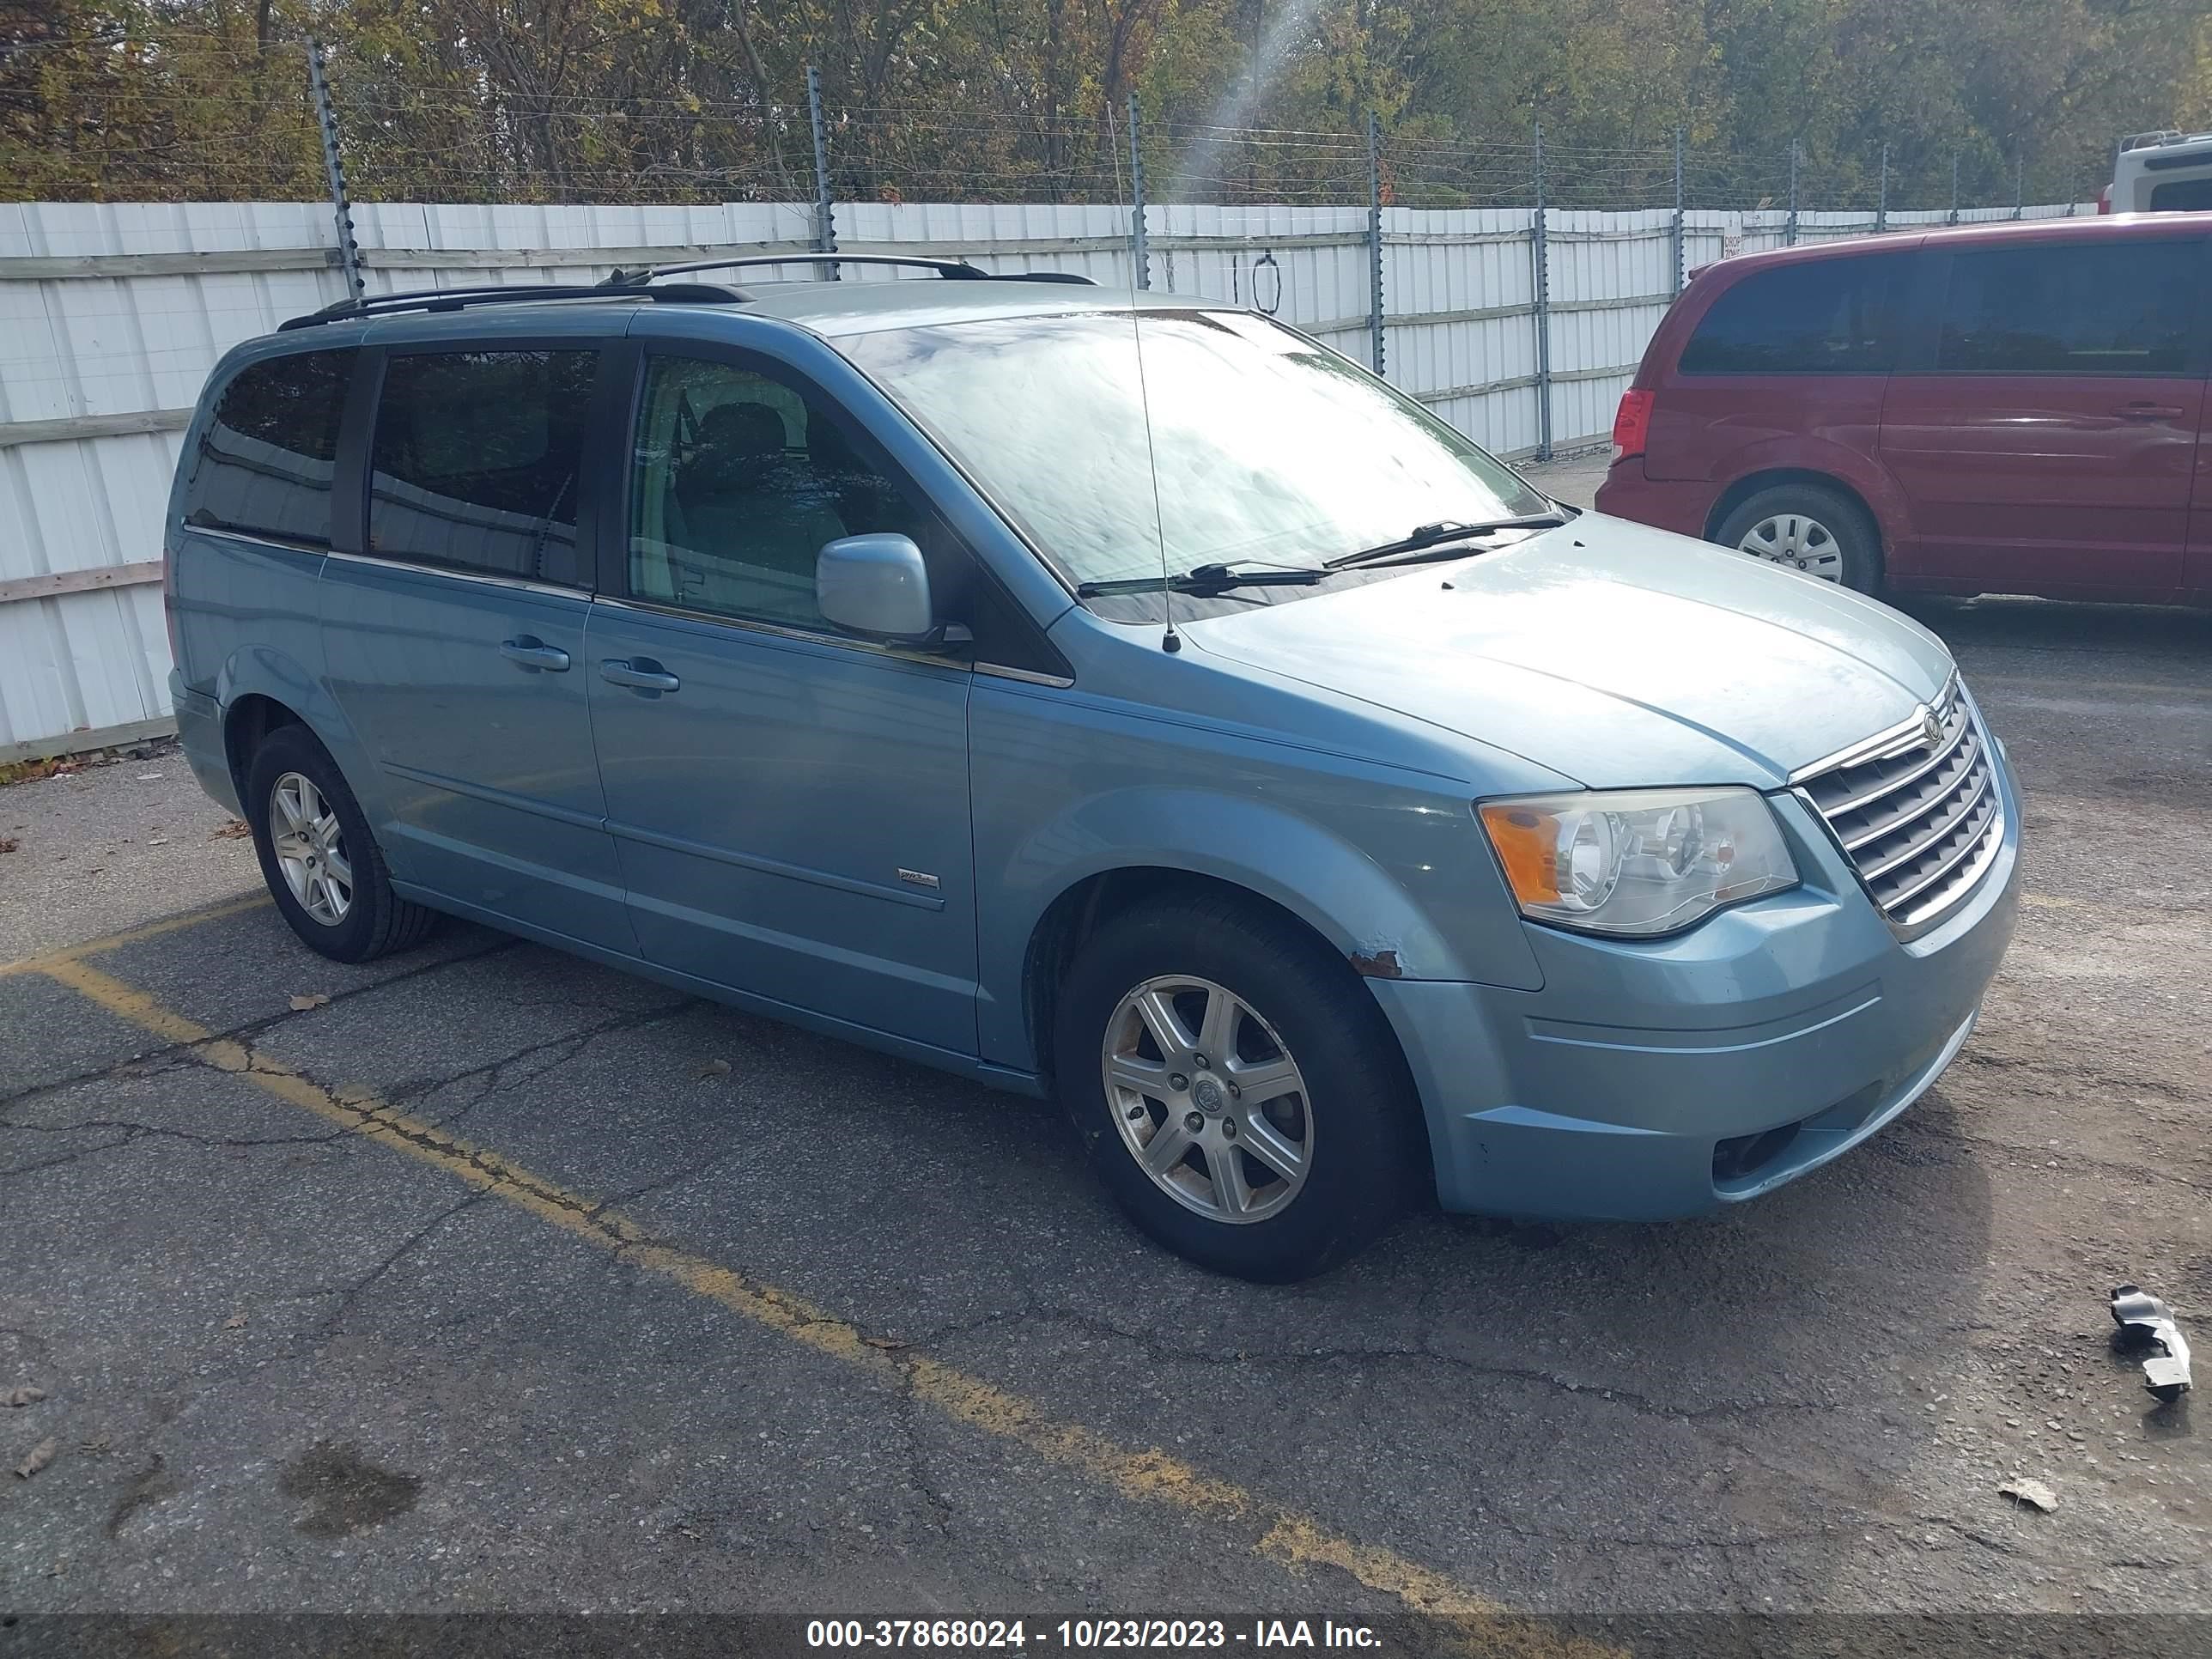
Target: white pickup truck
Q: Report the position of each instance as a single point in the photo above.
(2160, 173)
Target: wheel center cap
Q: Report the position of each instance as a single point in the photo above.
(1207, 1095)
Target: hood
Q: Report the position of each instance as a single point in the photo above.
(1616, 654)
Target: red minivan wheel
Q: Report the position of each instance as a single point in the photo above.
(1820, 531)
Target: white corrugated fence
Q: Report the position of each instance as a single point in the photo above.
(111, 316)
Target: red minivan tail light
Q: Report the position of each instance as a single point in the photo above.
(1632, 424)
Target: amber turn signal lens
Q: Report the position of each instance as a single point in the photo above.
(1528, 841)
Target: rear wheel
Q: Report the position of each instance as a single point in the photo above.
(1808, 527)
(1236, 1088)
(323, 867)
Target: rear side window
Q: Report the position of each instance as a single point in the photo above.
(1824, 317)
(2110, 308)
(477, 461)
(2182, 196)
(266, 459)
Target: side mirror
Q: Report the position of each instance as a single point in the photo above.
(876, 586)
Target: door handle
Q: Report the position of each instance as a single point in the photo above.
(642, 675)
(532, 653)
(2148, 412)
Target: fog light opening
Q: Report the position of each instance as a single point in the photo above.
(1739, 1156)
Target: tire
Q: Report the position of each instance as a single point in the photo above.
(1351, 1117)
(1810, 527)
(371, 921)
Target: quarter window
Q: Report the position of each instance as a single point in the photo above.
(266, 459)
(2110, 308)
(1823, 317)
(739, 479)
(2182, 196)
(478, 460)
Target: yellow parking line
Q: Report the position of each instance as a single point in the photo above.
(40, 964)
(1280, 1535)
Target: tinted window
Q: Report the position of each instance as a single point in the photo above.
(737, 482)
(2182, 196)
(266, 459)
(477, 460)
(1824, 317)
(2101, 309)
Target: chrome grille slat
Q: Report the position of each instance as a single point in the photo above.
(1954, 732)
(1920, 822)
(1985, 854)
(1934, 829)
(1964, 754)
(1948, 862)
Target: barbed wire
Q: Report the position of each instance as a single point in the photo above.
(470, 143)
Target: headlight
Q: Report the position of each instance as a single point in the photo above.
(1637, 861)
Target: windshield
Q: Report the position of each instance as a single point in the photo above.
(1268, 447)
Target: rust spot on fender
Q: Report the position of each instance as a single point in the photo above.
(1378, 964)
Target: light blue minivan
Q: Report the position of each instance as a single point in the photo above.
(1143, 704)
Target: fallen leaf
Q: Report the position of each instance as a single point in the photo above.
(235, 1323)
(159, 841)
(7, 844)
(885, 1342)
(236, 829)
(96, 1446)
(307, 1000)
(27, 1396)
(713, 1069)
(41, 1455)
(2030, 1494)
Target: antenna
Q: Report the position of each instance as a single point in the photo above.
(1141, 277)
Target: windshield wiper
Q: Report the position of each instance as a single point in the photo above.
(1443, 540)
(1211, 579)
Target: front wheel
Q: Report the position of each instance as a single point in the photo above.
(1810, 528)
(1236, 1088)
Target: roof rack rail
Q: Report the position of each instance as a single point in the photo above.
(454, 299)
(958, 270)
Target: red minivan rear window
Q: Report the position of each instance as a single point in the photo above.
(1820, 317)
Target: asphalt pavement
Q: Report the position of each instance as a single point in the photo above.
(487, 1280)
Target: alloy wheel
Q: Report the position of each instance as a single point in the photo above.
(1208, 1100)
(310, 847)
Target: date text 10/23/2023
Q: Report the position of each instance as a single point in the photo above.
(984, 1635)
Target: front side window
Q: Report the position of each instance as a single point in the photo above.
(736, 481)
(1260, 444)
(266, 459)
(477, 461)
(1822, 317)
(2104, 308)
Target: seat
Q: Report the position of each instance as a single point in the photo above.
(754, 518)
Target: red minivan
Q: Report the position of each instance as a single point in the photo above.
(2011, 409)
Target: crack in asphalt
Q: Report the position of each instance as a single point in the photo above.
(351, 1292)
(1162, 1349)
(141, 1131)
(492, 1077)
(167, 1056)
(18, 1171)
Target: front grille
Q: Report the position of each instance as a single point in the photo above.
(1922, 818)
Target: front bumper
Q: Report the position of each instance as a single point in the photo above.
(1667, 1079)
